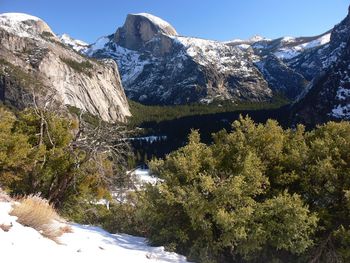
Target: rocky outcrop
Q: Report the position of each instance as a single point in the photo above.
(140, 29)
(34, 61)
(160, 67)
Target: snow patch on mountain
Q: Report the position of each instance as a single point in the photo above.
(129, 61)
(77, 45)
(18, 17)
(98, 45)
(342, 93)
(23, 25)
(318, 42)
(288, 39)
(250, 41)
(258, 38)
(341, 112)
(289, 52)
(217, 54)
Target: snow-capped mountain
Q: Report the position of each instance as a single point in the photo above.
(77, 45)
(284, 48)
(34, 63)
(328, 95)
(159, 66)
(287, 63)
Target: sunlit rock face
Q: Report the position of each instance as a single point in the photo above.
(46, 66)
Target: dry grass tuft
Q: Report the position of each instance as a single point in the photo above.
(66, 229)
(34, 211)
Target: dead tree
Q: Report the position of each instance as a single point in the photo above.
(94, 139)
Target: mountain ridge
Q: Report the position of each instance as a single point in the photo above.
(152, 69)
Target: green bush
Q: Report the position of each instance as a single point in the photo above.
(80, 67)
(259, 193)
(124, 218)
(39, 156)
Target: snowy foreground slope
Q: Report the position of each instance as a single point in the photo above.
(84, 244)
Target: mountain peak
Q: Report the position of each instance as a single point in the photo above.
(257, 38)
(159, 22)
(19, 17)
(23, 25)
(77, 45)
(139, 29)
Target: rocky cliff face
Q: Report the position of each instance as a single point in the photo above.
(328, 95)
(160, 67)
(280, 77)
(33, 61)
(140, 29)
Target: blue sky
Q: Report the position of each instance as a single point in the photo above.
(211, 19)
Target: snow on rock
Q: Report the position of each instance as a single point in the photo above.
(288, 39)
(236, 40)
(129, 61)
(77, 45)
(84, 244)
(258, 38)
(342, 93)
(217, 54)
(286, 53)
(341, 112)
(252, 40)
(318, 42)
(243, 46)
(99, 44)
(24, 25)
(290, 51)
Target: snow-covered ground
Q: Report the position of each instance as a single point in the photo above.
(144, 176)
(84, 244)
